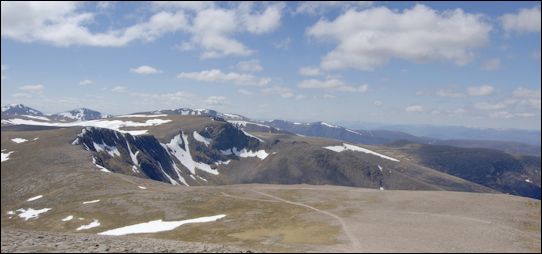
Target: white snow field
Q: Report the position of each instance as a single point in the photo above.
(158, 226)
(345, 147)
(30, 213)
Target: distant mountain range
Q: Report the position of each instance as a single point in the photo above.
(80, 114)
(205, 147)
(527, 142)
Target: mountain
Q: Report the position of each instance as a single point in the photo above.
(80, 114)
(19, 110)
(514, 174)
(379, 136)
(250, 185)
(532, 137)
(326, 130)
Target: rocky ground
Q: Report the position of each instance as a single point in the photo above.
(16, 240)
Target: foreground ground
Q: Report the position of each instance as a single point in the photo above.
(296, 218)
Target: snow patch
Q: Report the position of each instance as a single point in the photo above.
(142, 187)
(148, 116)
(345, 147)
(329, 125)
(202, 139)
(30, 213)
(107, 124)
(134, 158)
(250, 135)
(183, 155)
(111, 150)
(102, 168)
(92, 201)
(232, 116)
(19, 140)
(238, 123)
(5, 156)
(68, 218)
(35, 198)
(261, 154)
(528, 180)
(158, 226)
(380, 168)
(37, 117)
(93, 224)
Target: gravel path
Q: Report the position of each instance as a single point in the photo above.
(16, 240)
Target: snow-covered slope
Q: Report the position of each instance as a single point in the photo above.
(80, 114)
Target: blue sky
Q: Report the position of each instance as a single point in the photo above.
(453, 63)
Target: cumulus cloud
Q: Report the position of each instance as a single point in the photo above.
(245, 92)
(211, 27)
(86, 82)
(119, 89)
(32, 88)
(310, 71)
(216, 100)
(216, 75)
(414, 108)
(332, 83)
(490, 106)
(369, 38)
(283, 44)
(283, 92)
(448, 93)
(145, 70)
(523, 21)
(320, 7)
(65, 24)
(480, 90)
(529, 97)
(492, 64)
(250, 66)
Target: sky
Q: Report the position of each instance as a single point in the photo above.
(472, 64)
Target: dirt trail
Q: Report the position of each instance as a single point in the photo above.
(356, 245)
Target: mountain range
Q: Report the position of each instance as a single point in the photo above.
(251, 185)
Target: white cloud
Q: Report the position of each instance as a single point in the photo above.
(527, 97)
(216, 75)
(328, 96)
(492, 64)
(377, 103)
(448, 93)
(526, 93)
(414, 108)
(249, 66)
(284, 43)
(501, 114)
(32, 88)
(119, 89)
(369, 38)
(216, 100)
(523, 21)
(320, 7)
(183, 5)
(145, 70)
(283, 92)
(245, 92)
(86, 82)
(213, 28)
(480, 90)
(332, 83)
(310, 71)
(490, 106)
(65, 24)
